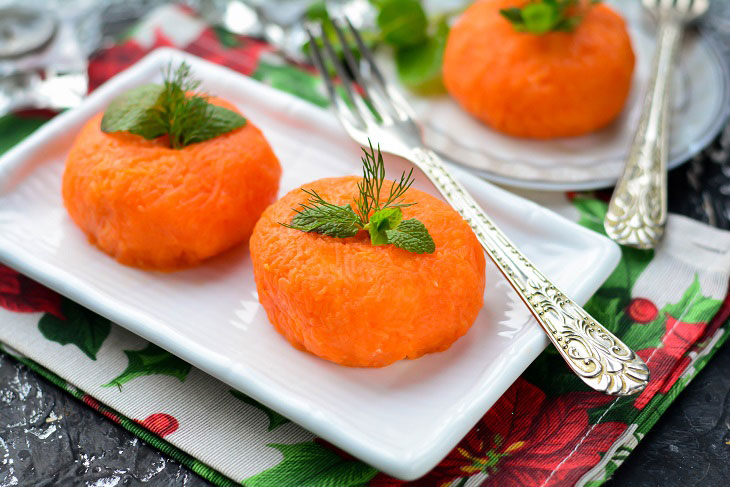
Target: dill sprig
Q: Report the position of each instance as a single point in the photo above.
(384, 221)
(373, 175)
(175, 108)
(320, 216)
(179, 109)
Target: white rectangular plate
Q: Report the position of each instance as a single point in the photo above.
(402, 419)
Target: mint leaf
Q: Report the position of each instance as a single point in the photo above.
(131, 112)
(317, 11)
(543, 16)
(219, 121)
(513, 14)
(419, 67)
(402, 22)
(153, 110)
(539, 17)
(412, 236)
(381, 221)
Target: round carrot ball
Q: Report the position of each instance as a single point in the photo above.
(556, 84)
(356, 304)
(154, 207)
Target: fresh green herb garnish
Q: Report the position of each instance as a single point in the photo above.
(417, 40)
(543, 16)
(383, 220)
(402, 23)
(171, 108)
(420, 66)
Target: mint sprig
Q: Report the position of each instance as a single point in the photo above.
(383, 220)
(172, 108)
(413, 236)
(543, 16)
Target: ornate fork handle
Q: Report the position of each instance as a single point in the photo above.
(637, 212)
(594, 353)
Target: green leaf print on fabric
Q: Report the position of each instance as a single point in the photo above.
(83, 328)
(14, 129)
(608, 306)
(692, 307)
(150, 361)
(228, 39)
(275, 419)
(292, 80)
(310, 464)
(621, 411)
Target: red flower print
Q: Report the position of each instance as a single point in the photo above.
(664, 368)
(96, 405)
(642, 310)
(18, 293)
(528, 439)
(667, 362)
(115, 59)
(243, 58)
(383, 480)
(160, 424)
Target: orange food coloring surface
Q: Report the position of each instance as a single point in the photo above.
(540, 86)
(154, 207)
(356, 304)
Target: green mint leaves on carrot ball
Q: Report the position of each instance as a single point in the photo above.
(383, 220)
(155, 110)
(543, 16)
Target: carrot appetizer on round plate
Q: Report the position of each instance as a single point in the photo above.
(540, 68)
(364, 271)
(168, 177)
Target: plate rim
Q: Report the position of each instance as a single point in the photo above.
(406, 465)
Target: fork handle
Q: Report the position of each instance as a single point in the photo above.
(637, 212)
(599, 358)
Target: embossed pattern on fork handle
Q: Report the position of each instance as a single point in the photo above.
(637, 212)
(599, 358)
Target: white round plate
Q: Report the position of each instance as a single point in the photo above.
(701, 96)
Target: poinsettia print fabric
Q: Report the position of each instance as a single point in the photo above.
(671, 306)
(18, 293)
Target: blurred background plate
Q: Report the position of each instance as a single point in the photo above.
(701, 99)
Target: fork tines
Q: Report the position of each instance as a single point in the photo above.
(365, 88)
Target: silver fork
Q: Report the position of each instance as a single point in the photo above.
(637, 212)
(592, 352)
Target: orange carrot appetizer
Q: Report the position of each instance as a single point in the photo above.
(360, 301)
(153, 206)
(565, 74)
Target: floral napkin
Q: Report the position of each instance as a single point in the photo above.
(671, 305)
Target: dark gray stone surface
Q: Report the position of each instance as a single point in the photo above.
(690, 445)
(48, 438)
